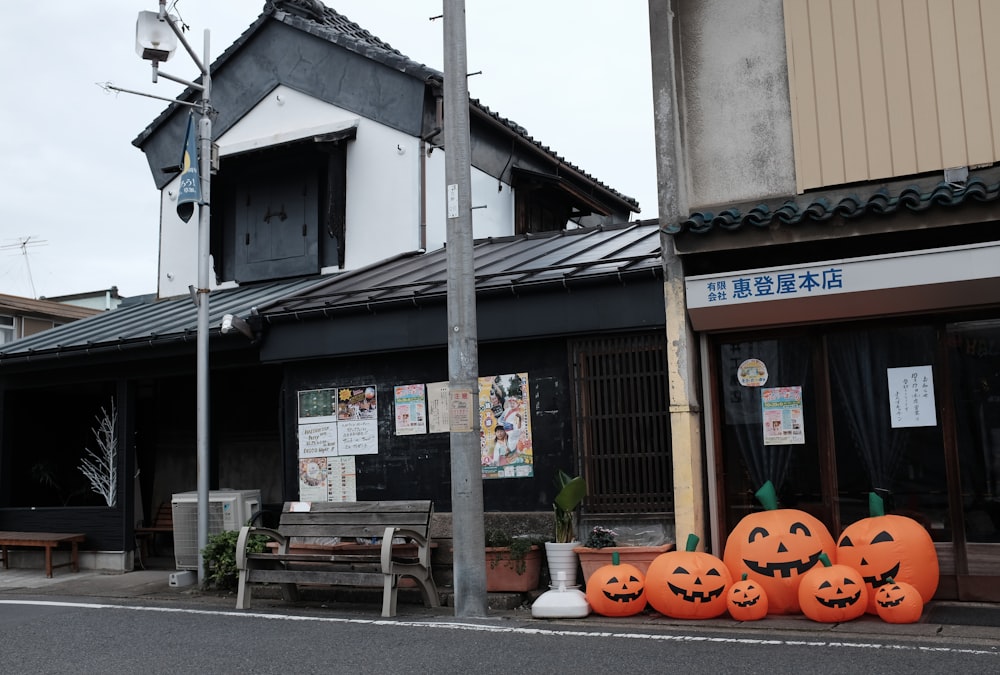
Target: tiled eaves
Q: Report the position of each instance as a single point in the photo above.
(881, 202)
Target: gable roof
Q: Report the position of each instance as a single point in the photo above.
(315, 18)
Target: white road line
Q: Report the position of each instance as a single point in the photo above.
(487, 628)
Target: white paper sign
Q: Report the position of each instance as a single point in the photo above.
(911, 397)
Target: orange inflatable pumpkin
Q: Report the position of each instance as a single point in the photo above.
(775, 547)
(688, 584)
(617, 589)
(898, 602)
(831, 593)
(747, 600)
(889, 546)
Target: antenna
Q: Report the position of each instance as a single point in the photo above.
(24, 243)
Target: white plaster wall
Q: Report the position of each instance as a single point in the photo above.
(383, 188)
(737, 132)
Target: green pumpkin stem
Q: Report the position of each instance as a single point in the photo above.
(615, 558)
(876, 507)
(767, 496)
(744, 577)
(692, 542)
(825, 559)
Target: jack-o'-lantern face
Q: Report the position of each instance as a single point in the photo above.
(617, 590)
(831, 594)
(688, 584)
(747, 600)
(898, 602)
(890, 547)
(775, 548)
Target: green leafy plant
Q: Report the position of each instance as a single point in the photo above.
(572, 490)
(220, 558)
(601, 537)
(517, 548)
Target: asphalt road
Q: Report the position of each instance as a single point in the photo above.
(87, 635)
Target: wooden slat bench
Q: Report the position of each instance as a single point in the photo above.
(163, 524)
(301, 558)
(46, 540)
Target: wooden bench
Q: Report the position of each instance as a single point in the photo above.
(163, 524)
(46, 540)
(305, 555)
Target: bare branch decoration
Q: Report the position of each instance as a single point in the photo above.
(101, 468)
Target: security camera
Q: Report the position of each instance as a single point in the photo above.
(231, 322)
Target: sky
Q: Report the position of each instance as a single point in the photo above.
(78, 208)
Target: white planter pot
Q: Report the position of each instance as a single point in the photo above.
(562, 558)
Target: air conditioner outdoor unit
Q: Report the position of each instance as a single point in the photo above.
(227, 510)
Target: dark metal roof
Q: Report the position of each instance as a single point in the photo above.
(147, 324)
(503, 265)
(312, 17)
(884, 201)
(511, 265)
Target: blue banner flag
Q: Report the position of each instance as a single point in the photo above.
(189, 192)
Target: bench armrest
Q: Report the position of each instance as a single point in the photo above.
(246, 532)
(423, 548)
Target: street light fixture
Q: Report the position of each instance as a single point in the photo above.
(157, 34)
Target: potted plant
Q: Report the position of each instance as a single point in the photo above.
(560, 555)
(602, 543)
(513, 563)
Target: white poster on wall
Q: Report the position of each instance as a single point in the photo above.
(911, 397)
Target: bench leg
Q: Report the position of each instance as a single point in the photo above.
(389, 595)
(243, 594)
(429, 590)
(48, 562)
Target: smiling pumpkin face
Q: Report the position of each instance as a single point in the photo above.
(688, 584)
(898, 602)
(747, 600)
(617, 589)
(775, 548)
(890, 547)
(833, 594)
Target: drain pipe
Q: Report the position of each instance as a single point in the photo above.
(425, 151)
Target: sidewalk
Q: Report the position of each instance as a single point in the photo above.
(941, 619)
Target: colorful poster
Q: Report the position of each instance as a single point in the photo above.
(505, 426)
(411, 406)
(438, 407)
(781, 409)
(357, 403)
(911, 397)
(313, 479)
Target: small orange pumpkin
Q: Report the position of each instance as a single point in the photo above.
(889, 546)
(832, 593)
(617, 589)
(775, 547)
(688, 584)
(898, 602)
(747, 600)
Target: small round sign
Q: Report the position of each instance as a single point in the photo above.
(752, 373)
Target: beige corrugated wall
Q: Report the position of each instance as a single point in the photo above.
(884, 88)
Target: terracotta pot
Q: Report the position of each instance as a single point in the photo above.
(502, 572)
(592, 559)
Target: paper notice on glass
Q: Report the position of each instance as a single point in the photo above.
(781, 412)
(911, 397)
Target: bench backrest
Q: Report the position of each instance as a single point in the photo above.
(355, 519)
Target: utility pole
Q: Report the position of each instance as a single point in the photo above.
(463, 351)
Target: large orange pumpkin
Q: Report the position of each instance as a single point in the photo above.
(617, 589)
(775, 547)
(889, 546)
(832, 593)
(898, 602)
(688, 584)
(747, 600)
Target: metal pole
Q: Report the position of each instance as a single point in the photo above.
(204, 219)
(463, 358)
